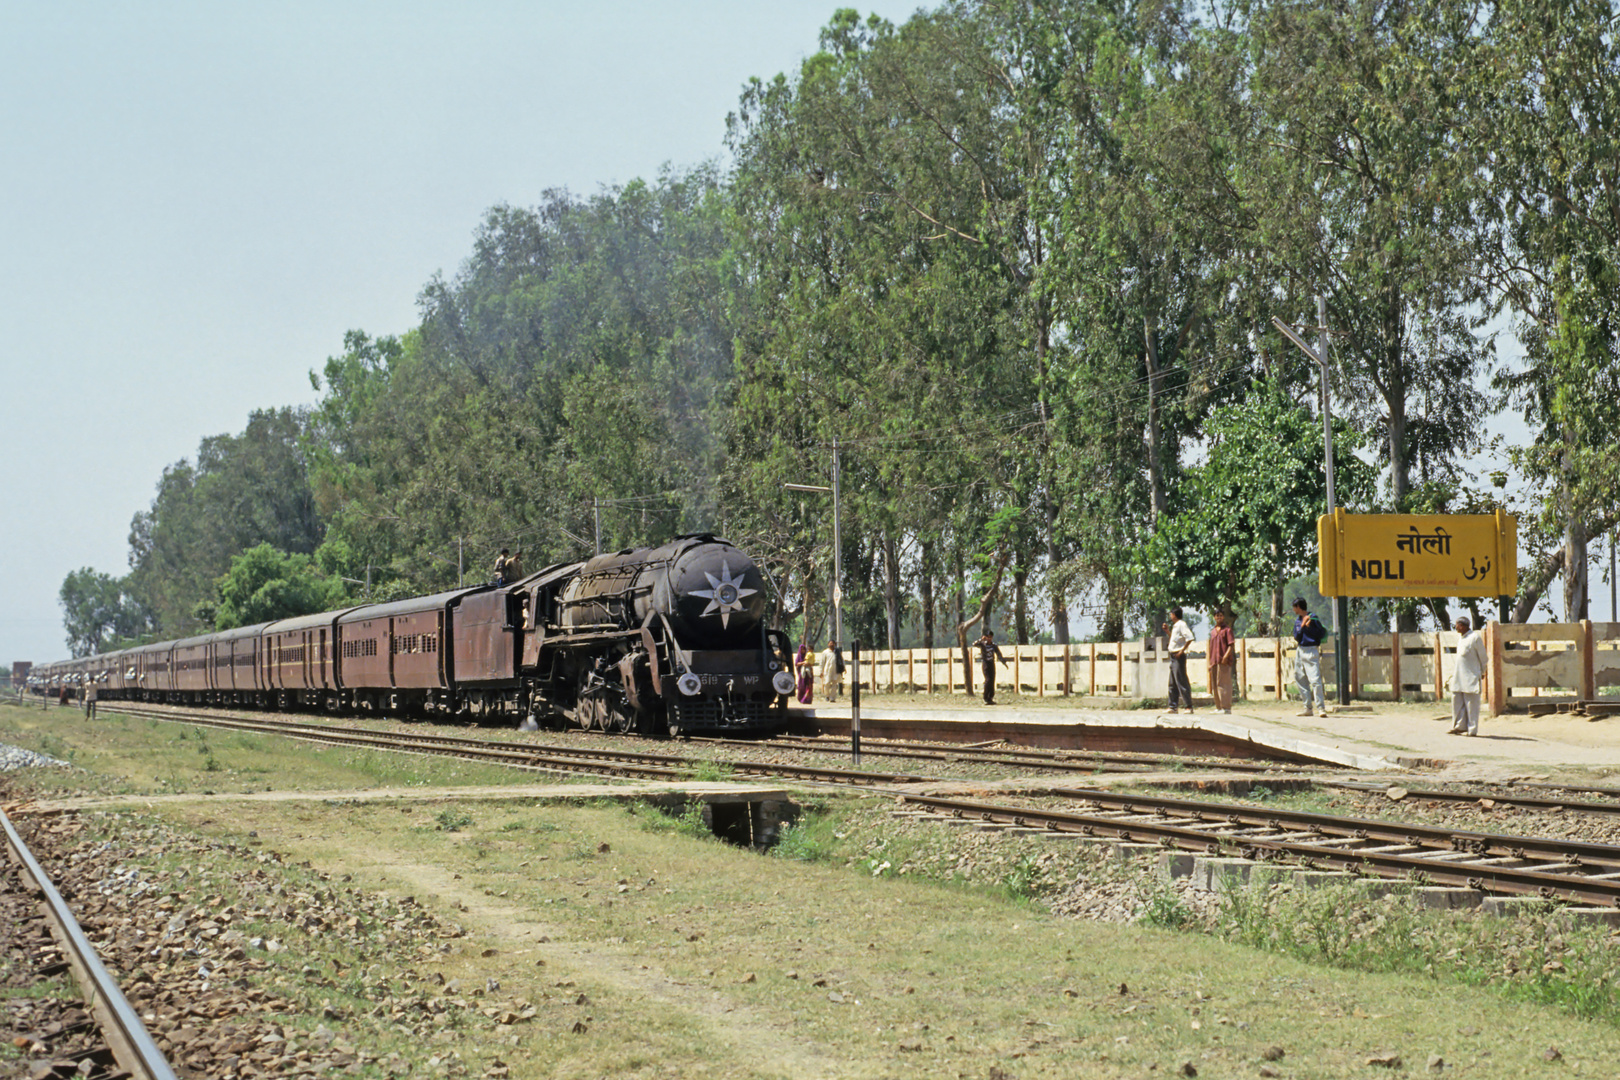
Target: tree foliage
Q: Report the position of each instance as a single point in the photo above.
(1018, 260)
(242, 490)
(100, 614)
(1244, 519)
(264, 584)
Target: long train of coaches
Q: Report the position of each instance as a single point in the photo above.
(666, 640)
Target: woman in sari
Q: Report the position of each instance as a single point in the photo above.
(805, 664)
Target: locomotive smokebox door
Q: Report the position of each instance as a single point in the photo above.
(714, 593)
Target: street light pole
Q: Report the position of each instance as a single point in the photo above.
(837, 591)
(1341, 604)
(838, 557)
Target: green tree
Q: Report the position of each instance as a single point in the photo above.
(573, 360)
(1243, 521)
(265, 583)
(1543, 88)
(871, 309)
(243, 490)
(99, 613)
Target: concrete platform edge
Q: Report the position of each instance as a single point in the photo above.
(1228, 729)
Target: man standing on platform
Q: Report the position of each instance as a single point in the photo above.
(1181, 639)
(1308, 635)
(988, 655)
(1222, 661)
(832, 672)
(1467, 681)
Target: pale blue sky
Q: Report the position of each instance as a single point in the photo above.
(198, 199)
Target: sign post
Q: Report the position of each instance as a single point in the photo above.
(1417, 555)
(855, 700)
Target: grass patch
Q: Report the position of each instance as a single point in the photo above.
(453, 819)
(713, 772)
(809, 839)
(154, 756)
(1540, 957)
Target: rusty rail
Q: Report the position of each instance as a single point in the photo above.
(1021, 757)
(1547, 868)
(126, 1036)
(592, 760)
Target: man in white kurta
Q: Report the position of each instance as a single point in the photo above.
(832, 680)
(1467, 681)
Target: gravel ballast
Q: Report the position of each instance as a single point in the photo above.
(15, 757)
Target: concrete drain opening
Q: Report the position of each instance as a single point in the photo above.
(747, 818)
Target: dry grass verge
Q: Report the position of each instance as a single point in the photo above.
(646, 951)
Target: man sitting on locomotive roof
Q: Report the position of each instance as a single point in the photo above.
(501, 563)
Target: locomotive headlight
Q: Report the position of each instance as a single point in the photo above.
(689, 684)
(783, 682)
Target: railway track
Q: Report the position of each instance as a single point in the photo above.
(588, 760)
(126, 1048)
(1022, 757)
(1550, 868)
(647, 763)
(1495, 798)
(1553, 868)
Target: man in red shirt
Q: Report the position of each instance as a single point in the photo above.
(1222, 660)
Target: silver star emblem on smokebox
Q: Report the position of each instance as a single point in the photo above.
(724, 594)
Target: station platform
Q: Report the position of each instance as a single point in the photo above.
(1364, 736)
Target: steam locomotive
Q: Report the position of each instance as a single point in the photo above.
(666, 640)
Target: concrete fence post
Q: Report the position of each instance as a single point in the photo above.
(1439, 666)
(1243, 669)
(1395, 666)
(1278, 655)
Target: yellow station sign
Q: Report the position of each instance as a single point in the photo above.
(1418, 554)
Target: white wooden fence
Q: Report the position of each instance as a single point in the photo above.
(1527, 662)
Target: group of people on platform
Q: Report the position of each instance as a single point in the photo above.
(1467, 680)
(827, 667)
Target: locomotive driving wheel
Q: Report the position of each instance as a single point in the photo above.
(620, 718)
(588, 712)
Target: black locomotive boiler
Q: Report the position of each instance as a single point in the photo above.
(652, 639)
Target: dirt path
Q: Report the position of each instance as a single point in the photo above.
(515, 931)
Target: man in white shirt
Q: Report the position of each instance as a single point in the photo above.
(1467, 681)
(1181, 638)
